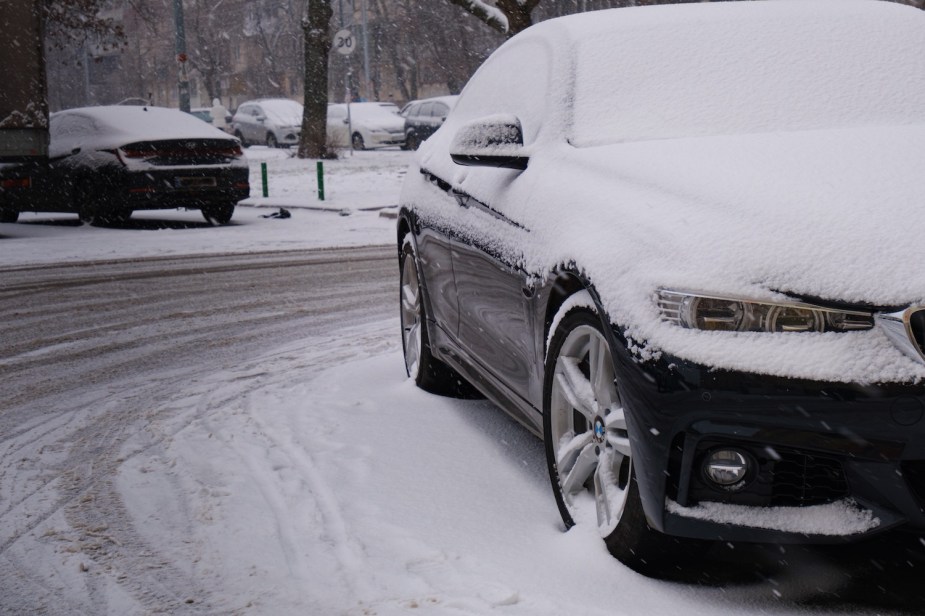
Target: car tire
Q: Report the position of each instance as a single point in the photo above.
(412, 142)
(428, 372)
(219, 214)
(8, 214)
(358, 143)
(240, 138)
(588, 452)
(271, 141)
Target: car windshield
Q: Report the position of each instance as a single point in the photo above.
(668, 79)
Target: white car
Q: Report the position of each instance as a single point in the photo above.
(366, 125)
(274, 122)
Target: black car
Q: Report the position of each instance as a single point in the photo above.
(689, 259)
(106, 162)
(424, 117)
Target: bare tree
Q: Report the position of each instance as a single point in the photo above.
(274, 28)
(206, 27)
(316, 47)
(80, 20)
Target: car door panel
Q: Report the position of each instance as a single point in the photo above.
(495, 302)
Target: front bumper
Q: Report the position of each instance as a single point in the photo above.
(382, 139)
(831, 462)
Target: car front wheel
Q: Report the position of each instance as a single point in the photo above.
(271, 141)
(588, 451)
(358, 143)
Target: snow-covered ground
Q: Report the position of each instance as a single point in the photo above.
(316, 479)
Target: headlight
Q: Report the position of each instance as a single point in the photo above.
(728, 314)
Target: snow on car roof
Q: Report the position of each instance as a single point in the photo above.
(115, 125)
(146, 122)
(656, 72)
(707, 70)
(282, 111)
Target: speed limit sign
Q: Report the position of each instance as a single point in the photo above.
(344, 43)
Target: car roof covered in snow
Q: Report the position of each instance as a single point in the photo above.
(112, 126)
(686, 70)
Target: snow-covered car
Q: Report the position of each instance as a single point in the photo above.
(106, 162)
(366, 125)
(273, 122)
(683, 245)
(424, 117)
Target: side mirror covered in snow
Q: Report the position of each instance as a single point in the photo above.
(492, 141)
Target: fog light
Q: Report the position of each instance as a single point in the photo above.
(726, 468)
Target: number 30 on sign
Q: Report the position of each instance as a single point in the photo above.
(344, 42)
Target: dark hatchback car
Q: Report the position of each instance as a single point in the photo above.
(106, 162)
(424, 117)
(690, 259)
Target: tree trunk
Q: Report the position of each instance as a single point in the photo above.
(317, 45)
(517, 13)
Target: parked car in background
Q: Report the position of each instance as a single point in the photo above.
(106, 162)
(691, 260)
(274, 122)
(203, 113)
(424, 117)
(370, 125)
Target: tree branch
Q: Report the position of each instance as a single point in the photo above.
(485, 13)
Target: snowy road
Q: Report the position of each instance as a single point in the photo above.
(102, 362)
(235, 435)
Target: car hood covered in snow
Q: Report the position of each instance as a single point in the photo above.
(830, 214)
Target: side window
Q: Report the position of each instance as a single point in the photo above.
(439, 110)
(424, 111)
(515, 80)
(68, 132)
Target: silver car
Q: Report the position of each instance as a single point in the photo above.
(274, 122)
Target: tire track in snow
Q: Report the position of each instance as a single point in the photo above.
(97, 377)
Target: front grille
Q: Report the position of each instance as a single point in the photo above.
(784, 478)
(801, 479)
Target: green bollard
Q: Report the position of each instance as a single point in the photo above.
(320, 166)
(263, 173)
